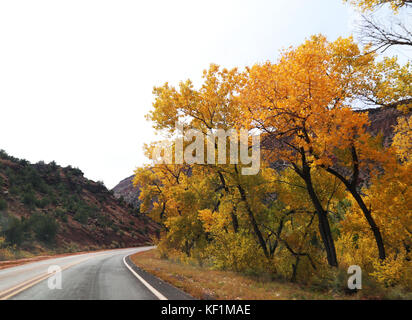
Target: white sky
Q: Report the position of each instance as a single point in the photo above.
(76, 77)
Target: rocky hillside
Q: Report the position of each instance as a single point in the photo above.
(127, 192)
(45, 206)
(382, 121)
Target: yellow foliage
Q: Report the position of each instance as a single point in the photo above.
(238, 252)
(395, 270)
(368, 5)
(269, 222)
(402, 141)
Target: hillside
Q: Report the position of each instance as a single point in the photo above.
(383, 121)
(126, 191)
(45, 206)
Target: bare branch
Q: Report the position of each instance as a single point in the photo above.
(382, 36)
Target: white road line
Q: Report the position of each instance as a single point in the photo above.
(148, 286)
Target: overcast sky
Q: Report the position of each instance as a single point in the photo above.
(76, 77)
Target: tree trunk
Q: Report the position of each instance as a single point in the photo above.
(235, 221)
(327, 239)
(324, 227)
(253, 221)
(351, 186)
(372, 224)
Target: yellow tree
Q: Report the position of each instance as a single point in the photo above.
(210, 108)
(388, 197)
(172, 198)
(300, 104)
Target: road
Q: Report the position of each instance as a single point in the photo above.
(99, 275)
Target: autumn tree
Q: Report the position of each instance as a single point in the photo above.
(210, 108)
(325, 181)
(301, 106)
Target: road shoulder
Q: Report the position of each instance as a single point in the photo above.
(169, 291)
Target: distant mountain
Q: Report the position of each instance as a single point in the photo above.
(126, 191)
(45, 206)
(383, 121)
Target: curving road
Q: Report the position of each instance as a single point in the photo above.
(92, 276)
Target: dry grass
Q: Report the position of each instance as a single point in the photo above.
(203, 283)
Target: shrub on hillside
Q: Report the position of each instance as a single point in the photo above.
(61, 214)
(29, 199)
(81, 216)
(15, 231)
(19, 231)
(44, 227)
(3, 204)
(42, 203)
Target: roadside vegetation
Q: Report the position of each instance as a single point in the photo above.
(46, 209)
(209, 283)
(330, 193)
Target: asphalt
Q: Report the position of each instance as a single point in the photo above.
(93, 276)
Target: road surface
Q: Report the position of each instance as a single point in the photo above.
(101, 275)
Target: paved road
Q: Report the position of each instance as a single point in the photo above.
(91, 276)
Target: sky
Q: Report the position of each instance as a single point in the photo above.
(76, 77)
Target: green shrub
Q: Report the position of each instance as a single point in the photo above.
(43, 187)
(53, 199)
(44, 227)
(82, 216)
(3, 204)
(29, 199)
(3, 154)
(103, 221)
(61, 214)
(42, 203)
(64, 218)
(14, 190)
(15, 231)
